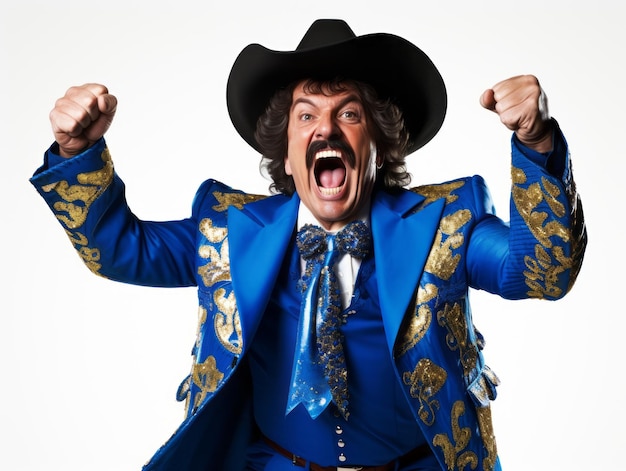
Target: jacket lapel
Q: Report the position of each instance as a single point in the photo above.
(403, 229)
(259, 235)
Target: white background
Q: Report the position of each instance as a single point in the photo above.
(89, 367)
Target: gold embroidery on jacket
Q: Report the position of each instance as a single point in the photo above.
(89, 255)
(207, 377)
(527, 200)
(435, 192)
(213, 233)
(76, 201)
(218, 267)
(185, 389)
(441, 261)
(549, 261)
(426, 380)
(453, 319)
(233, 199)
(454, 456)
(419, 322)
(485, 426)
(227, 322)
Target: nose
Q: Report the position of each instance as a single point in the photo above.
(327, 127)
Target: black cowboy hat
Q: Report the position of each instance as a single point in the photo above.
(396, 68)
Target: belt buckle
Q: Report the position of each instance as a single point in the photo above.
(351, 468)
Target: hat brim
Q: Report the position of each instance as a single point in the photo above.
(396, 68)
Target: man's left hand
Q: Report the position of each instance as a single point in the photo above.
(523, 108)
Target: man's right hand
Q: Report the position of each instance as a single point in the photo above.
(82, 117)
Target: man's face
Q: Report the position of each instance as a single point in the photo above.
(331, 155)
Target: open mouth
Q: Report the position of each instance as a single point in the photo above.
(330, 172)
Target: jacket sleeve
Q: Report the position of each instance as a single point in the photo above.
(88, 199)
(539, 252)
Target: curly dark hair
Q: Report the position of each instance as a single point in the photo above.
(388, 131)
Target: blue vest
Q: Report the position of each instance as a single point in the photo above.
(381, 425)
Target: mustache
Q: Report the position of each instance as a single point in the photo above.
(341, 146)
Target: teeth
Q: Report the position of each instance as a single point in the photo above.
(324, 154)
(329, 154)
(330, 191)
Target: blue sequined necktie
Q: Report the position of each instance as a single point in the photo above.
(319, 373)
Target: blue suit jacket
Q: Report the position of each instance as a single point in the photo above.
(431, 244)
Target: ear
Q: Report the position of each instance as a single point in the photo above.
(287, 166)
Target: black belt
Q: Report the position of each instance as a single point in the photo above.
(410, 457)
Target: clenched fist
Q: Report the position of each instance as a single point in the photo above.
(82, 117)
(523, 107)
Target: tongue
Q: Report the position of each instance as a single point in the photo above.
(332, 178)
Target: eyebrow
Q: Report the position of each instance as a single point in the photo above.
(346, 100)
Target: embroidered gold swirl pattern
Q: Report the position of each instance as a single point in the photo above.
(419, 322)
(453, 319)
(441, 261)
(435, 192)
(549, 261)
(77, 199)
(226, 321)
(218, 267)
(485, 426)
(233, 199)
(74, 206)
(425, 381)
(453, 450)
(206, 376)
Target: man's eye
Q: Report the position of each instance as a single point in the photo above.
(350, 114)
(305, 117)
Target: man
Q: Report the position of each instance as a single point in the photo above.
(305, 358)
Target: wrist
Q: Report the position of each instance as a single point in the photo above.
(542, 140)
